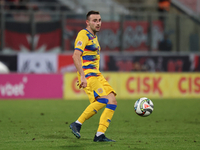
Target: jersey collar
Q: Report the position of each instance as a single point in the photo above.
(90, 33)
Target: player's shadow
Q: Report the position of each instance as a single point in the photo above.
(79, 146)
(56, 137)
(63, 137)
(73, 147)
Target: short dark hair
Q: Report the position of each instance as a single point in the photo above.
(91, 12)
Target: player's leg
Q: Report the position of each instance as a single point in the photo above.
(105, 118)
(91, 110)
(108, 112)
(93, 90)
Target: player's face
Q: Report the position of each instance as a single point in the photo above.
(94, 22)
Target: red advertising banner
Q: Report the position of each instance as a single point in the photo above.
(16, 41)
(72, 28)
(42, 42)
(135, 35)
(109, 36)
(136, 38)
(114, 36)
(133, 38)
(66, 64)
(33, 86)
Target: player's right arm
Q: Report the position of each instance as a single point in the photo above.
(79, 46)
(78, 64)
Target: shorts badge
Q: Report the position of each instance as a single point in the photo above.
(100, 90)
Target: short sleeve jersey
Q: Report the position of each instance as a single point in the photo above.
(88, 44)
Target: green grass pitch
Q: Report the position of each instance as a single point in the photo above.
(44, 125)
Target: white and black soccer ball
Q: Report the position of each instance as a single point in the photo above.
(143, 107)
(3, 68)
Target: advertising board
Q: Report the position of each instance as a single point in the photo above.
(31, 86)
(136, 85)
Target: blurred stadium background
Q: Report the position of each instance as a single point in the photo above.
(153, 46)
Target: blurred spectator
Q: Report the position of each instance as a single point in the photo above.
(23, 5)
(137, 66)
(0, 38)
(163, 7)
(17, 4)
(2, 2)
(13, 4)
(165, 44)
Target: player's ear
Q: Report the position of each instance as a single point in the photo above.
(87, 22)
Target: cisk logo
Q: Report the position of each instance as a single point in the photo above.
(9, 89)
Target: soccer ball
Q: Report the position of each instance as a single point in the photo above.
(143, 107)
(3, 68)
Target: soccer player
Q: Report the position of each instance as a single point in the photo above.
(86, 58)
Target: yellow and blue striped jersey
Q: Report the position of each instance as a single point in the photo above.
(88, 44)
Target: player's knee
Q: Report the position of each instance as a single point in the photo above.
(112, 99)
(115, 102)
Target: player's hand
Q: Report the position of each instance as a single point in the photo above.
(83, 83)
(78, 84)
